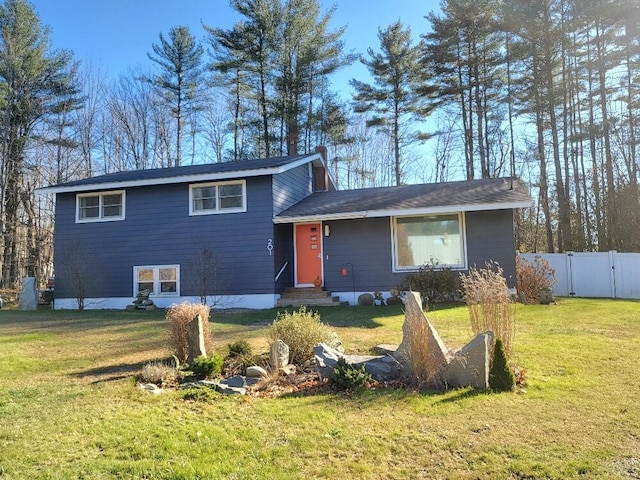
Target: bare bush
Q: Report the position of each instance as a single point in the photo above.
(489, 303)
(179, 317)
(531, 277)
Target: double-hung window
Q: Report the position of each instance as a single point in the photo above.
(428, 240)
(100, 207)
(220, 197)
(160, 279)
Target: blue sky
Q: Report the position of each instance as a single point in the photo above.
(118, 34)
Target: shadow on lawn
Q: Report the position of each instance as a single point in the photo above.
(110, 373)
(337, 316)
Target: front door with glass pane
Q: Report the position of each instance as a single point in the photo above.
(308, 242)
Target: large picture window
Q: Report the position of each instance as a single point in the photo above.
(100, 207)
(427, 240)
(160, 279)
(223, 197)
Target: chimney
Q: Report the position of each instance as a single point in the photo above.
(322, 150)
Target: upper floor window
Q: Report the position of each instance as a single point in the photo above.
(221, 197)
(100, 207)
(429, 240)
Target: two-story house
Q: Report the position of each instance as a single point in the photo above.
(242, 232)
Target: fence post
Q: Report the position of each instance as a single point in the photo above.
(570, 274)
(612, 274)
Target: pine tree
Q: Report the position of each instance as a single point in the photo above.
(392, 97)
(35, 82)
(180, 78)
(501, 377)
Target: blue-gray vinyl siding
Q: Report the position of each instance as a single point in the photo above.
(158, 230)
(364, 246)
(290, 187)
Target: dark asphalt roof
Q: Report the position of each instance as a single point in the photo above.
(464, 195)
(184, 171)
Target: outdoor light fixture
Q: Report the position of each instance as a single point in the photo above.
(327, 230)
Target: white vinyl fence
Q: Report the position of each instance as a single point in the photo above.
(593, 274)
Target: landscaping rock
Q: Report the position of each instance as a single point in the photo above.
(394, 301)
(256, 371)
(470, 366)
(195, 332)
(381, 368)
(365, 300)
(438, 352)
(28, 295)
(235, 381)
(278, 355)
(287, 369)
(151, 388)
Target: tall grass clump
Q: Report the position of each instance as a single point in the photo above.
(301, 331)
(531, 277)
(422, 351)
(159, 373)
(489, 303)
(179, 315)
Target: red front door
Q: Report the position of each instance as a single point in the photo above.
(308, 240)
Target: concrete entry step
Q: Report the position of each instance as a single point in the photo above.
(308, 296)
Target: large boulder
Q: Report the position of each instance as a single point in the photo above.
(195, 330)
(382, 368)
(470, 366)
(365, 300)
(278, 355)
(28, 295)
(421, 345)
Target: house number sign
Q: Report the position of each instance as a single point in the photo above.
(270, 246)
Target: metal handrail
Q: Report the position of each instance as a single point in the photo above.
(281, 271)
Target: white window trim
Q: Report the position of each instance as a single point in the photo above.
(101, 195)
(218, 210)
(394, 244)
(156, 280)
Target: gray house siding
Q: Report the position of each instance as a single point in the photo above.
(367, 245)
(490, 237)
(283, 253)
(158, 230)
(290, 187)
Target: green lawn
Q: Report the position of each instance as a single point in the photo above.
(69, 407)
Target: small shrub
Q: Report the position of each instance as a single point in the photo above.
(159, 373)
(202, 394)
(348, 377)
(531, 277)
(179, 317)
(436, 284)
(239, 348)
(501, 377)
(301, 331)
(487, 297)
(205, 367)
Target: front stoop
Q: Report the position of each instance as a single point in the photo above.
(308, 296)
